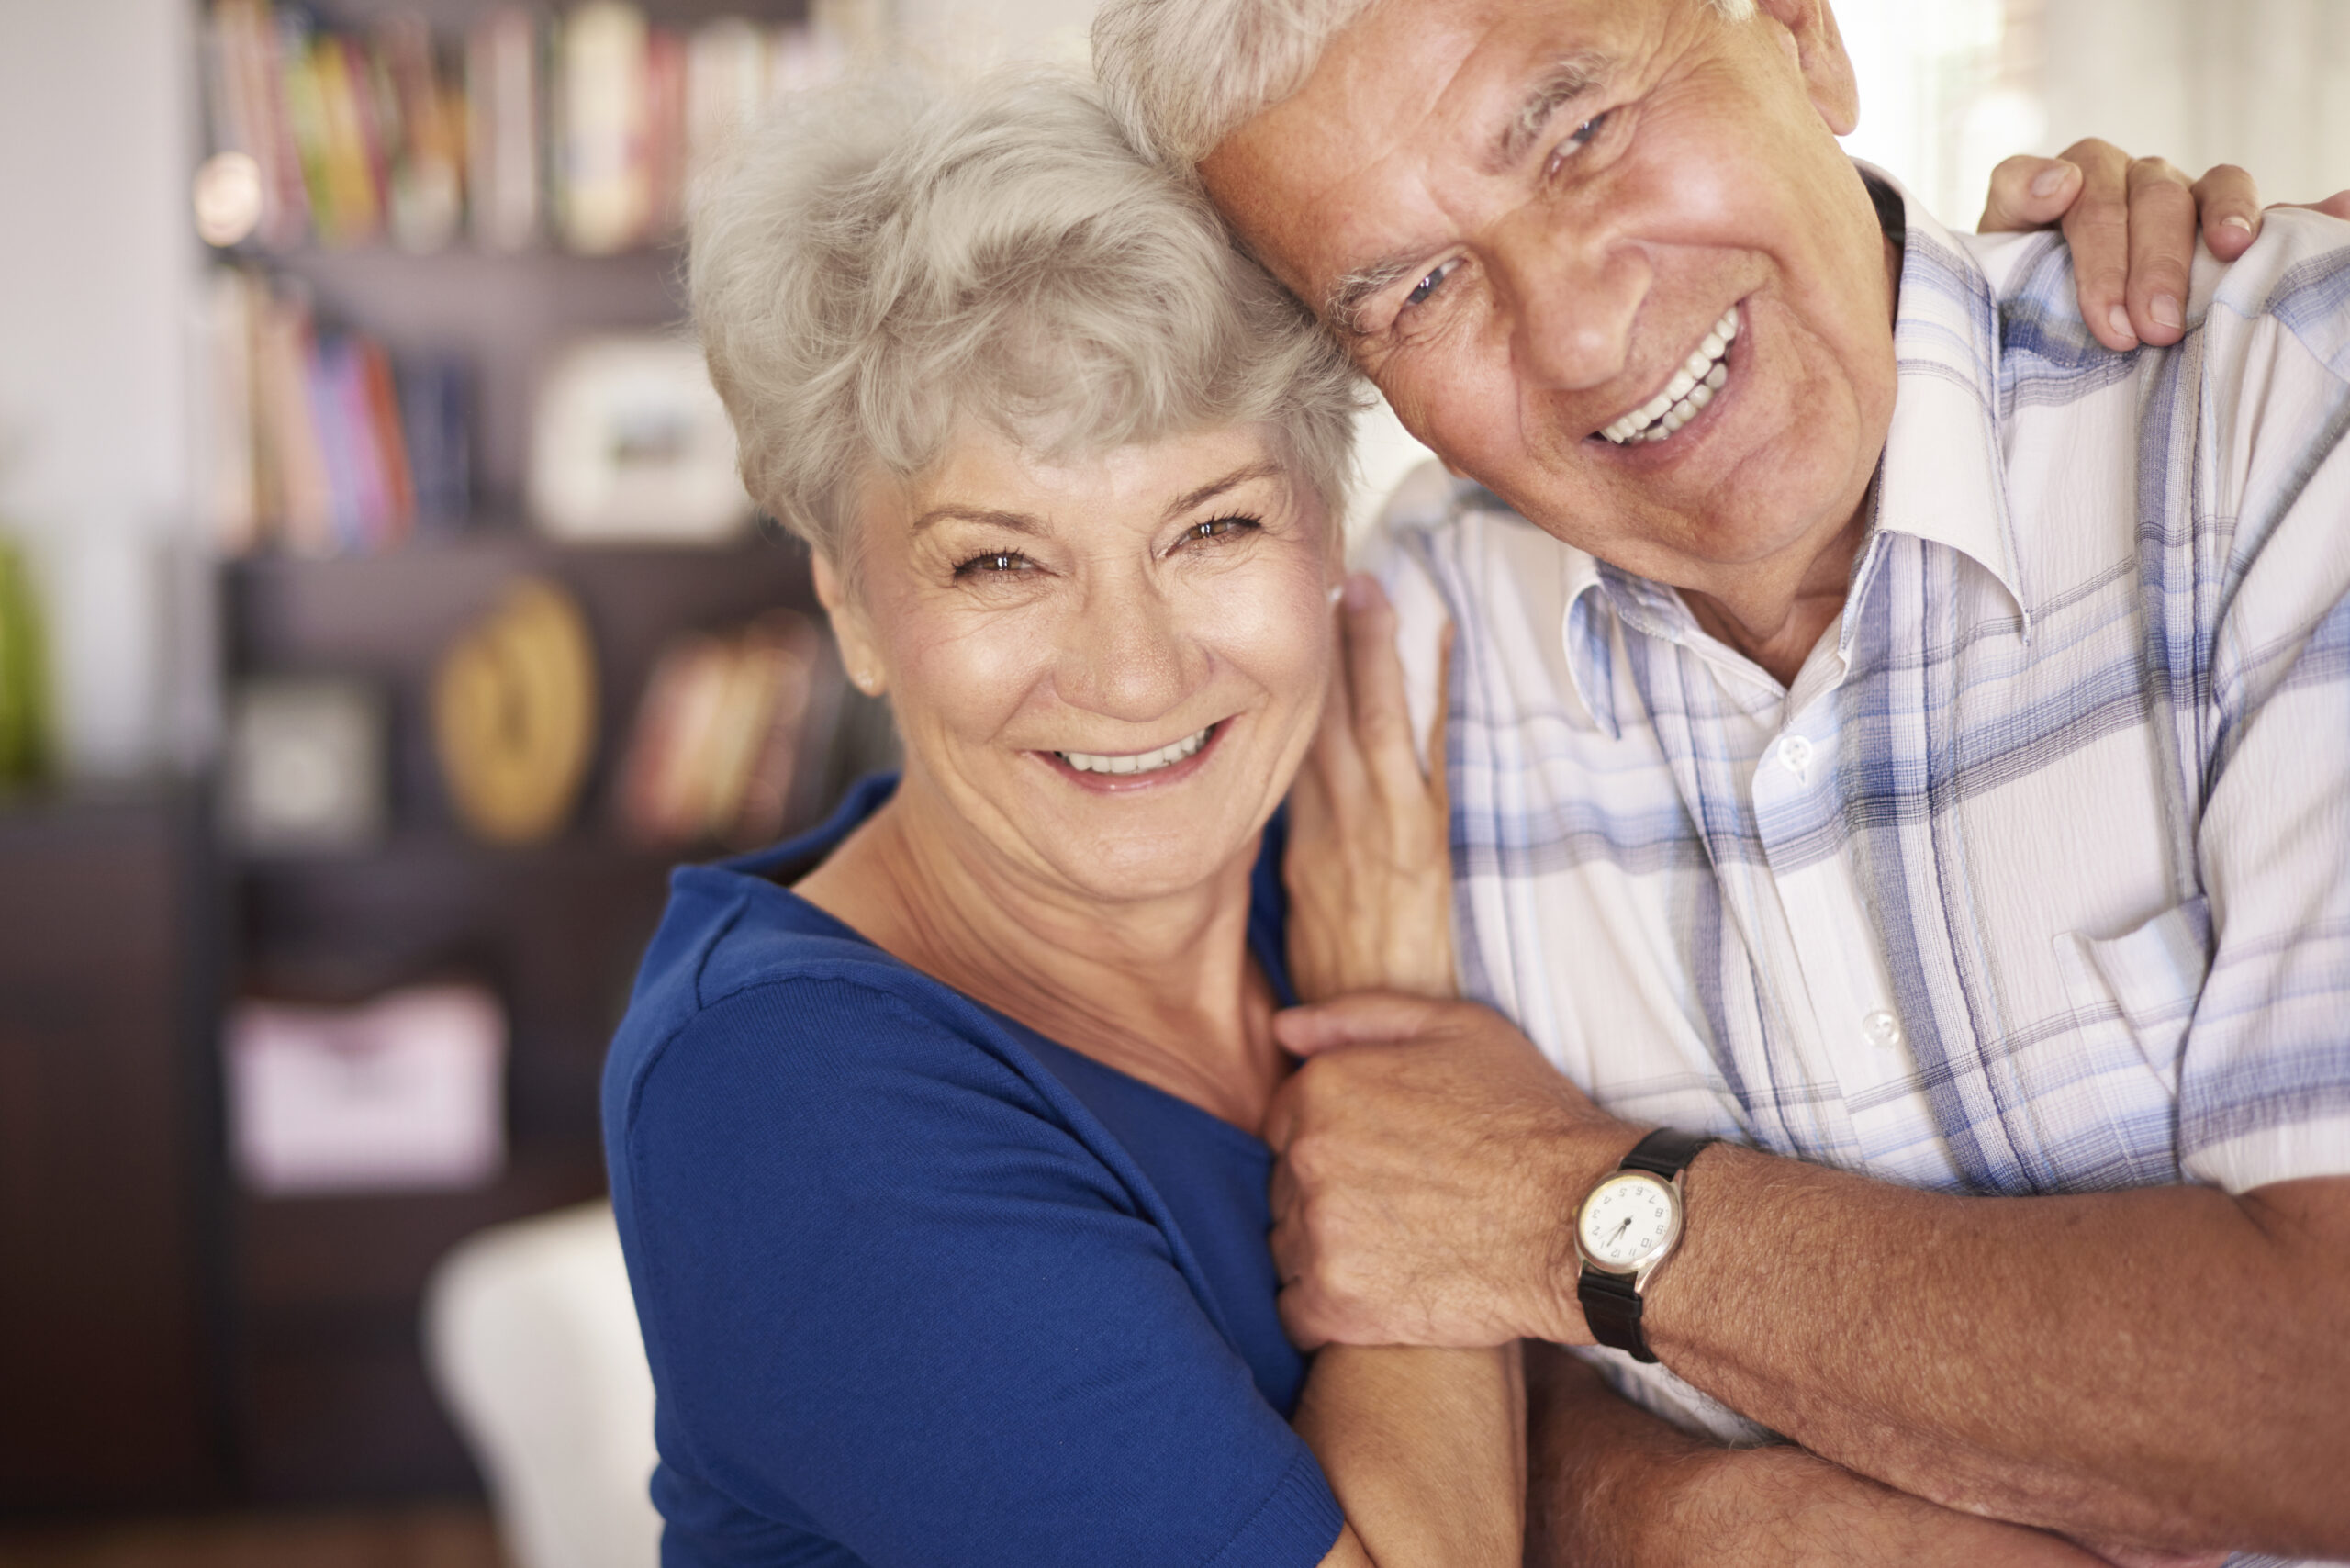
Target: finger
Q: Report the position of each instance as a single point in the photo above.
(1280, 1198)
(2029, 193)
(2228, 202)
(2335, 206)
(1301, 1318)
(1280, 1116)
(2162, 248)
(2096, 226)
(1365, 1018)
(1375, 675)
(1337, 755)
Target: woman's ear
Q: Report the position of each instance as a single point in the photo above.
(859, 653)
(1819, 51)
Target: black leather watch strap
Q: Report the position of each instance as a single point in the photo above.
(1611, 1308)
(1666, 1152)
(1611, 1304)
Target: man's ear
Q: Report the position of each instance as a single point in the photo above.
(860, 655)
(1819, 51)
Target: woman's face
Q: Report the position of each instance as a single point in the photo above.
(1108, 669)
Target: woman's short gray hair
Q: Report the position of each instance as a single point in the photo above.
(882, 261)
(1184, 74)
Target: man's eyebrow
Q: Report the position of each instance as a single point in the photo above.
(1018, 522)
(1342, 307)
(1263, 468)
(1560, 85)
(1564, 83)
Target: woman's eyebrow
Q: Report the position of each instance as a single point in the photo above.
(1560, 85)
(1263, 468)
(1018, 522)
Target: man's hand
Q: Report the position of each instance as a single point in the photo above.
(1431, 1162)
(2131, 224)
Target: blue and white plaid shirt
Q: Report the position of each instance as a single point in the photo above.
(2038, 878)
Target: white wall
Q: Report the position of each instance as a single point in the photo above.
(97, 276)
(2261, 83)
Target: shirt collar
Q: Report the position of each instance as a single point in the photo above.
(1943, 477)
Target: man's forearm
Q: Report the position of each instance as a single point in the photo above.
(1611, 1486)
(2168, 1367)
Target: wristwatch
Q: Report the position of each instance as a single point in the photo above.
(1626, 1229)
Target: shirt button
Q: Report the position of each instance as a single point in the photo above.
(1882, 1030)
(1794, 754)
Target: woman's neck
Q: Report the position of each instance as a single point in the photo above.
(1161, 989)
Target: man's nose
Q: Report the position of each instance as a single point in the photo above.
(1572, 294)
(1123, 657)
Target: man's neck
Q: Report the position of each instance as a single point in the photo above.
(1777, 618)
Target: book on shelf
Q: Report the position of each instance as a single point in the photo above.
(316, 441)
(582, 127)
(716, 748)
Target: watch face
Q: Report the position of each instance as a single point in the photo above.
(1629, 1220)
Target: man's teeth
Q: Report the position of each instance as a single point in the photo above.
(1139, 762)
(1692, 388)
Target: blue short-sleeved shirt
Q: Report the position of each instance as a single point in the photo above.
(921, 1286)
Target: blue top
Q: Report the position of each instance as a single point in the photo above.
(919, 1285)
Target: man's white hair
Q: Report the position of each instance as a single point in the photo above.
(882, 262)
(1187, 74)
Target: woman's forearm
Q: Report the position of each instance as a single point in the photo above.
(1425, 1450)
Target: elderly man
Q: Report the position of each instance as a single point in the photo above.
(1893, 735)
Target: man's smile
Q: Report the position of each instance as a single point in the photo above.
(1685, 396)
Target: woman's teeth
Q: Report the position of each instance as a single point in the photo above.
(1692, 388)
(1139, 762)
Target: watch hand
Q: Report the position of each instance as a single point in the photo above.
(1622, 1225)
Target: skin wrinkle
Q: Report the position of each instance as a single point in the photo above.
(1600, 285)
(1966, 1372)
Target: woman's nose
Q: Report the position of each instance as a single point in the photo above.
(1123, 657)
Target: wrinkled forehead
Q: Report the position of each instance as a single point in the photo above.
(1411, 105)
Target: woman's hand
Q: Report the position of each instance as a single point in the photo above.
(1370, 866)
(2132, 223)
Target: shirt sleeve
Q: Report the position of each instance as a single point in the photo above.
(890, 1293)
(2264, 1070)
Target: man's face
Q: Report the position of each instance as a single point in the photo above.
(1529, 216)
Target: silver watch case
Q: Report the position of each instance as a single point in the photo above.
(1639, 1270)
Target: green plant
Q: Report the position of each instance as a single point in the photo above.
(24, 734)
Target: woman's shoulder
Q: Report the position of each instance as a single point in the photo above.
(748, 989)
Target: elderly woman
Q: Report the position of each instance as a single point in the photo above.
(932, 1134)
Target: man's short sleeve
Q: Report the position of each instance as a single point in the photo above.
(893, 1298)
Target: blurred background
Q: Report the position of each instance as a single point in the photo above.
(380, 618)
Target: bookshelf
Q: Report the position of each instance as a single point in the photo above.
(326, 1395)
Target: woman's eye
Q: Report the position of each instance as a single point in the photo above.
(1216, 528)
(993, 563)
(1429, 285)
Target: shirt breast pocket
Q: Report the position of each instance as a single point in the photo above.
(2133, 997)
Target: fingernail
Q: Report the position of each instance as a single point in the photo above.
(2119, 320)
(2165, 311)
(2236, 221)
(1360, 587)
(2051, 180)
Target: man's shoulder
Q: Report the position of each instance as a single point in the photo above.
(2297, 274)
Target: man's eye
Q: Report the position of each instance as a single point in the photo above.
(1578, 138)
(1429, 285)
(994, 562)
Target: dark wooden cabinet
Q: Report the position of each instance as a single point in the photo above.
(328, 1389)
(110, 1198)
